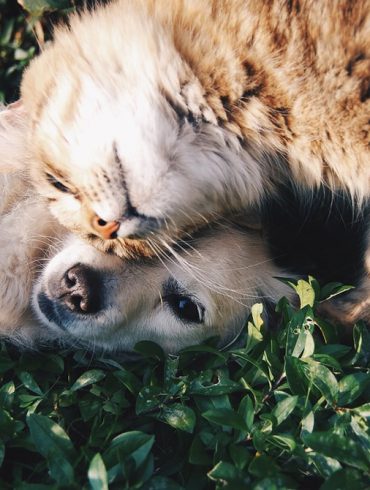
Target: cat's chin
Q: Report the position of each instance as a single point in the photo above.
(125, 248)
(158, 244)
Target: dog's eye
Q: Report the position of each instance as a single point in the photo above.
(185, 308)
(58, 185)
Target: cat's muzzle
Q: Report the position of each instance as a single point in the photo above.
(134, 226)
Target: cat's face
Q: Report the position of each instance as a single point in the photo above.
(124, 143)
(98, 300)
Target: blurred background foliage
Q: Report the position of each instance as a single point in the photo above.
(25, 27)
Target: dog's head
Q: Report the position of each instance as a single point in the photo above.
(95, 299)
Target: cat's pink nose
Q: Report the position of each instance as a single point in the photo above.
(106, 230)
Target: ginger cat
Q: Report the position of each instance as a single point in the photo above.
(150, 118)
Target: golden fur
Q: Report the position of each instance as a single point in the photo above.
(132, 300)
(161, 116)
(224, 270)
(27, 231)
(254, 91)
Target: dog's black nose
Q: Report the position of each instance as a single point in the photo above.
(79, 290)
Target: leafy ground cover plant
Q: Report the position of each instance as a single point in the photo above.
(281, 409)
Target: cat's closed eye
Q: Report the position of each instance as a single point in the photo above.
(57, 184)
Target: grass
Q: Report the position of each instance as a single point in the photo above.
(284, 409)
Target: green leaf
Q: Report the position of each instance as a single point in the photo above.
(150, 350)
(7, 424)
(309, 346)
(29, 382)
(38, 7)
(36, 486)
(6, 32)
(254, 336)
(178, 416)
(277, 482)
(339, 447)
(240, 455)
(149, 399)
(333, 289)
(5, 363)
(246, 411)
(308, 423)
(226, 472)
(60, 468)
(48, 437)
(227, 418)
(322, 378)
(345, 479)
(328, 361)
(256, 312)
(2, 452)
(97, 473)
(299, 327)
(284, 441)
(363, 411)
(326, 466)
(329, 332)
(360, 430)
(134, 444)
(306, 293)
(205, 403)
(7, 395)
(284, 408)
(53, 363)
(161, 483)
(263, 465)
(217, 383)
(361, 338)
(296, 375)
(88, 378)
(129, 380)
(351, 387)
(334, 350)
(171, 366)
(198, 454)
(203, 348)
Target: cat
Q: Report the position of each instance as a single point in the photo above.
(54, 287)
(150, 118)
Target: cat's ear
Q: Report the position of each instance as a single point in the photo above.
(13, 141)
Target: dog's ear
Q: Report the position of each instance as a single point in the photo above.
(13, 144)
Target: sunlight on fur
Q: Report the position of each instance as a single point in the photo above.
(152, 118)
(83, 297)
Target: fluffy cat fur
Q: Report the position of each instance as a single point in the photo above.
(160, 116)
(56, 287)
(108, 302)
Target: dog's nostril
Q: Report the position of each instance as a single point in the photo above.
(79, 304)
(70, 278)
(74, 303)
